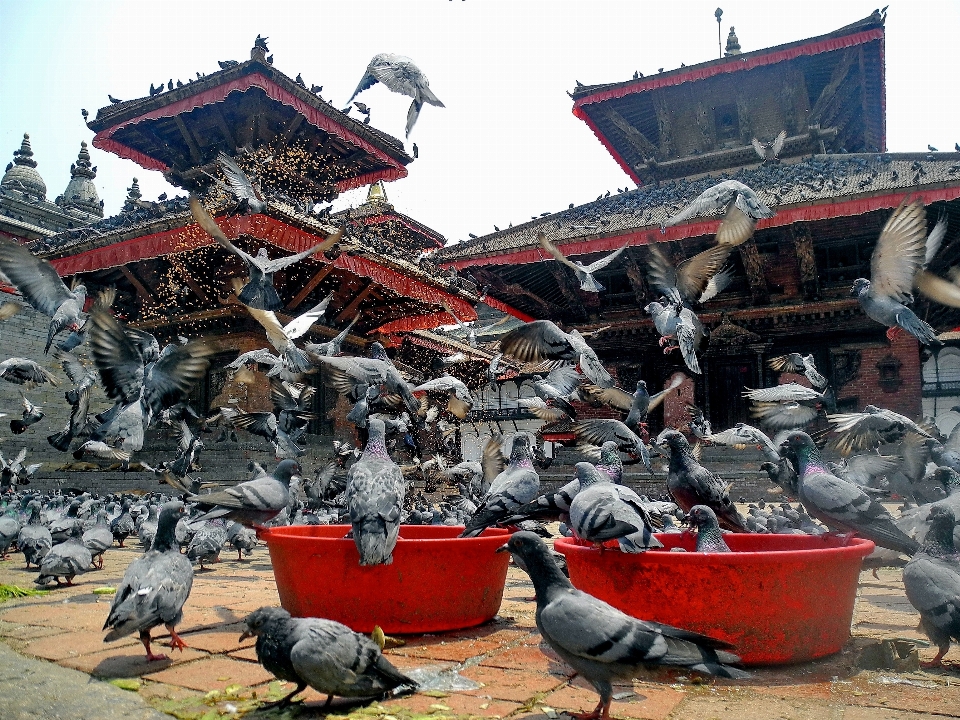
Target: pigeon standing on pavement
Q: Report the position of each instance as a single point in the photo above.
(602, 511)
(841, 505)
(67, 560)
(603, 644)
(253, 502)
(709, 537)
(374, 497)
(323, 654)
(932, 582)
(154, 587)
(399, 75)
(34, 539)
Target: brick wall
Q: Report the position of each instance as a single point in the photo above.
(866, 386)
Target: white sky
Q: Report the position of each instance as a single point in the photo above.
(507, 145)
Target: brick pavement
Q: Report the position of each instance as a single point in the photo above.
(517, 678)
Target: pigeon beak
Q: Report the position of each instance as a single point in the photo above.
(246, 634)
(503, 548)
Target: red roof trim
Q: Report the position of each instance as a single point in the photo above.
(419, 322)
(382, 218)
(651, 235)
(503, 307)
(103, 139)
(734, 64)
(265, 228)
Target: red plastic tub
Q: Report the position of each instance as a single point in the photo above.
(776, 598)
(436, 582)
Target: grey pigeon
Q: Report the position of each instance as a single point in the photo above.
(266, 425)
(459, 402)
(259, 292)
(374, 496)
(788, 406)
(584, 273)
(253, 502)
(722, 196)
(62, 528)
(709, 537)
(543, 340)
(207, 542)
(42, 288)
(249, 198)
(154, 587)
(873, 427)
(9, 530)
(687, 283)
(898, 256)
(839, 504)
(678, 322)
(800, 364)
(603, 644)
(517, 485)
(637, 405)
(334, 346)
(932, 582)
(323, 654)
(122, 526)
(148, 528)
(67, 560)
(22, 371)
(353, 375)
(692, 484)
(34, 540)
(243, 540)
(556, 389)
(98, 539)
(602, 511)
(602, 430)
(399, 75)
(361, 408)
(770, 151)
(30, 415)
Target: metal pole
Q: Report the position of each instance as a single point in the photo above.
(718, 13)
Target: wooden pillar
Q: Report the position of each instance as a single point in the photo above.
(806, 260)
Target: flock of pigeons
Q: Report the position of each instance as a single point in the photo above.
(371, 491)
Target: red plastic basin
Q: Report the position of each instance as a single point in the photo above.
(776, 598)
(436, 582)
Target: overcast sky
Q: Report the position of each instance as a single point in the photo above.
(506, 146)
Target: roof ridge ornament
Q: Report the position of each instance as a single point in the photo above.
(24, 156)
(733, 44)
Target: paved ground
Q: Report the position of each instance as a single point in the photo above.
(218, 676)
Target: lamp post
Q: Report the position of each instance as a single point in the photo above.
(718, 13)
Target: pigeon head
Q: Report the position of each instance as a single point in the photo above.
(947, 477)
(939, 537)
(287, 470)
(701, 516)
(587, 474)
(653, 308)
(860, 286)
(609, 453)
(260, 620)
(796, 441)
(642, 385)
(672, 439)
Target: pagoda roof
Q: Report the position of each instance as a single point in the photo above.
(181, 131)
(833, 81)
(815, 188)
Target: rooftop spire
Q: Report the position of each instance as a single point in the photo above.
(24, 156)
(733, 44)
(377, 193)
(133, 196)
(81, 193)
(22, 173)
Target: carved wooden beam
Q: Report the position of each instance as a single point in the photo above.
(350, 309)
(292, 127)
(636, 276)
(753, 265)
(311, 284)
(633, 136)
(499, 288)
(807, 261)
(142, 292)
(222, 125)
(569, 289)
(211, 314)
(188, 139)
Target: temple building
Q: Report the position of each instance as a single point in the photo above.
(25, 212)
(833, 186)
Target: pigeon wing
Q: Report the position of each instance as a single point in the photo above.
(35, 278)
(778, 142)
(272, 266)
(116, 357)
(173, 376)
(782, 416)
(300, 324)
(237, 179)
(694, 274)
(737, 227)
(535, 341)
(783, 393)
(899, 253)
(604, 261)
(209, 225)
(615, 397)
(557, 255)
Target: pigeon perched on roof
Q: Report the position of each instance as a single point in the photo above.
(374, 497)
(253, 502)
(709, 537)
(602, 511)
(584, 273)
(603, 644)
(515, 486)
(898, 256)
(323, 654)
(932, 582)
(839, 504)
(154, 588)
(722, 196)
(692, 484)
(258, 292)
(543, 340)
(42, 288)
(399, 75)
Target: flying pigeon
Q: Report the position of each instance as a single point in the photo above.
(253, 502)
(258, 292)
(871, 428)
(374, 497)
(583, 272)
(329, 657)
(677, 322)
(720, 197)
(601, 643)
(399, 75)
(770, 151)
(801, 365)
(154, 587)
(598, 431)
(543, 340)
(637, 405)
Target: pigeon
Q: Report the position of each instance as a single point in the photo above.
(602, 511)
(258, 292)
(709, 537)
(557, 388)
(374, 496)
(869, 429)
(207, 542)
(543, 340)
(34, 540)
(601, 643)
(113, 100)
(332, 347)
(154, 587)
(690, 484)
(601, 430)
(22, 371)
(839, 504)
(459, 402)
(249, 197)
(31, 414)
(147, 528)
(67, 560)
(9, 530)
(898, 256)
(123, 526)
(584, 273)
(770, 151)
(799, 364)
(352, 375)
(243, 540)
(637, 405)
(678, 322)
(98, 539)
(399, 75)
(720, 197)
(688, 282)
(253, 502)
(79, 400)
(932, 582)
(323, 654)
(788, 406)
(515, 486)
(42, 288)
